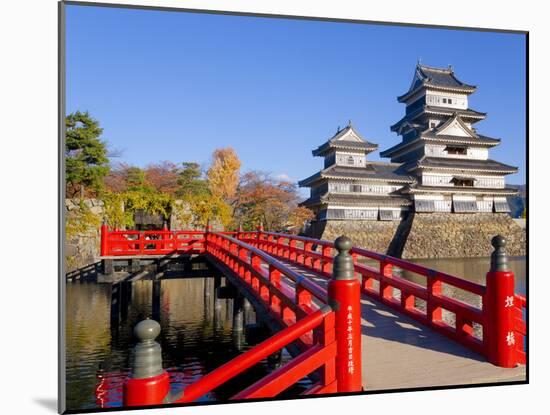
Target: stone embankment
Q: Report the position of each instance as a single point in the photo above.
(430, 235)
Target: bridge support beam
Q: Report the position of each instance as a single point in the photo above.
(499, 300)
(344, 293)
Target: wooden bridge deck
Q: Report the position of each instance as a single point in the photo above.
(399, 352)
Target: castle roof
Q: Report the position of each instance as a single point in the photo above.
(346, 139)
(467, 114)
(457, 164)
(436, 78)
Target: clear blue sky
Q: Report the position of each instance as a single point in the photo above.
(175, 86)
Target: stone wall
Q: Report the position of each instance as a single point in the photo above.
(429, 235)
(83, 219)
(369, 234)
(440, 235)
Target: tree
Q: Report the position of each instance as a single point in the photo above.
(204, 207)
(86, 162)
(135, 179)
(261, 198)
(223, 174)
(163, 177)
(190, 182)
(115, 181)
(297, 218)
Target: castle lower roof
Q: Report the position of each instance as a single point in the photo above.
(357, 200)
(458, 164)
(373, 171)
(416, 188)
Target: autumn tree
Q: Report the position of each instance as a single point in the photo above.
(163, 177)
(86, 162)
(261, 198)
(115, 181)
(223, 174)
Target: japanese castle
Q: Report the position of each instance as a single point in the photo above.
(441, 164)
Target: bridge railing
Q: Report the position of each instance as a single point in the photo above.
(475, 320)
(329, 339)
(163, 242)
(289, 295)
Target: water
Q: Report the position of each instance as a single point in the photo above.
(197, 336)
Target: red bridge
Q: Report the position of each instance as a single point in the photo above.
(353, 322)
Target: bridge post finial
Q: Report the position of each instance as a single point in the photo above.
(499, 258)
(344, 295)
(500, 308)
(148, 383)
(261, 226)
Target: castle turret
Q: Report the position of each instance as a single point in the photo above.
(352, 188)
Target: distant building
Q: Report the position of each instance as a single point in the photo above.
(443, 150)
(352, 188)
(441, 165)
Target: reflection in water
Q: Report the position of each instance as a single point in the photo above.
(199, 333)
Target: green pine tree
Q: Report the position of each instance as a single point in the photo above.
(86, 162)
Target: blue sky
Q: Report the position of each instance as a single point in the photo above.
(175, 86)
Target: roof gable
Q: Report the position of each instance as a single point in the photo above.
(455, 127)
(348, 134)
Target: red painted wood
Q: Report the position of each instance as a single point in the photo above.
(149, 391)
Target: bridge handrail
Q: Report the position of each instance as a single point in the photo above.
(466, 314)
(409, 266)
(316, 290)
(248, 359)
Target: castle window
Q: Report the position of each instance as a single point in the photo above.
(463, 181)
(444, 100)
(456, 150)
(350, 160)
(432, 125)
(450, 101)
(356, 188)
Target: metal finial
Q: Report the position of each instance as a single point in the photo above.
(343, 262)
(450, 67)
(418, 61)
(338, 129)
(499, 258)
(349, 123)
(147, 360)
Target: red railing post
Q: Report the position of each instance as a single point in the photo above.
(433, 311)
(386, 271)
(292, 249)
(148, 383)
(499, 315)
(104, 246)
(344, 294)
